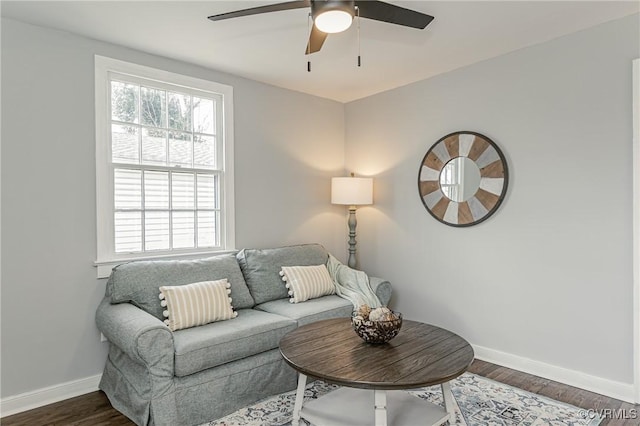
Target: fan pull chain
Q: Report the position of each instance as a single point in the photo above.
(309, 42)
(358, 18)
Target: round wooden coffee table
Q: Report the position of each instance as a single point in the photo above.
(421, 355)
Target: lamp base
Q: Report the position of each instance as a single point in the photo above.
(352, 237)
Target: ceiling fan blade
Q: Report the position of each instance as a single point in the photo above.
(316, 40)
(381, 11)
(262, 9)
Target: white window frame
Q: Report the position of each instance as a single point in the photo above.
(106, 255)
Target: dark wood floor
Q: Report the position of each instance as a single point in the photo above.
(558, 391)
(93, 409)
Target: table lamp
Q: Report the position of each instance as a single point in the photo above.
(352, 191)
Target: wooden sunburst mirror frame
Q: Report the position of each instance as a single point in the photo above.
(491, 188)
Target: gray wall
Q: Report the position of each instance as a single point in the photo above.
(549, 276)
(287, 146)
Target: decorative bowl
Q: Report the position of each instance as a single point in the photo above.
(377, 332)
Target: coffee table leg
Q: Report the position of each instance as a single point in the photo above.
(380, 400)
(448, 401)
(297, 406)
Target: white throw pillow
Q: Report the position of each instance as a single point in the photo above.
(196, 304)
(307, 282)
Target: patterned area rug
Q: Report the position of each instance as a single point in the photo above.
(480, 402)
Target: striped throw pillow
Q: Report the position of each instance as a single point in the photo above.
(307, 282)
(196, 304)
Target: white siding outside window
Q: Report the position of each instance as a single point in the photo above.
(164, 164)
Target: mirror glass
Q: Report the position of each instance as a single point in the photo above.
(460, 179)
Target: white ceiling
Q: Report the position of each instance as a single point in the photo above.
(270, 47)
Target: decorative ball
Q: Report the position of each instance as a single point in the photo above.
(364, 311)
(378, 314)
(378, 331)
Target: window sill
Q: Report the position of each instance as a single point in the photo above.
(105, 266)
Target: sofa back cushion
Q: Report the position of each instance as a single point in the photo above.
(139, 282)
(261, 268)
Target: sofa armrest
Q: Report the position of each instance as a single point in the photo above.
(382, 289)
(143, 337)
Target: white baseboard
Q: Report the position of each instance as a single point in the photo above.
(610, 388)
(49, 395)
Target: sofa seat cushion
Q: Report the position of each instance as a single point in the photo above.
(310, 311)
(210, 345)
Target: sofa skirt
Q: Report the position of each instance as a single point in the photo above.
(198, 398)
(219, 391)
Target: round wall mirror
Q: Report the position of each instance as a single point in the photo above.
(463, 179)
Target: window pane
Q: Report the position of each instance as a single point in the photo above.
(207, 192)
(128, 231)
(124, 102)
(180, 149)
(127, 189)
(179, 111)
(156, 190)
(207, 235)
(203, 116)
(204, 152)
(125, 144)
(154, 147)
(183, 230)
(153, 103)
(182, 191)
(156, 231)
(167, 147)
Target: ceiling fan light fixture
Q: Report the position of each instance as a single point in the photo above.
(334, 16)
(333, 21)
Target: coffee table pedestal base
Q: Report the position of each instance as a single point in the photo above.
(355, 407)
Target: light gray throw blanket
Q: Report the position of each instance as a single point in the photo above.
(351, 284)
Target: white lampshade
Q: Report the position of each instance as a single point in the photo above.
(352, 191)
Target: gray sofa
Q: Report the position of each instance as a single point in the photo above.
(191, 376)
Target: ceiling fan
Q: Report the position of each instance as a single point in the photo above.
(334, 16)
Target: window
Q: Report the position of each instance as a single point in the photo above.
(164, 161)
